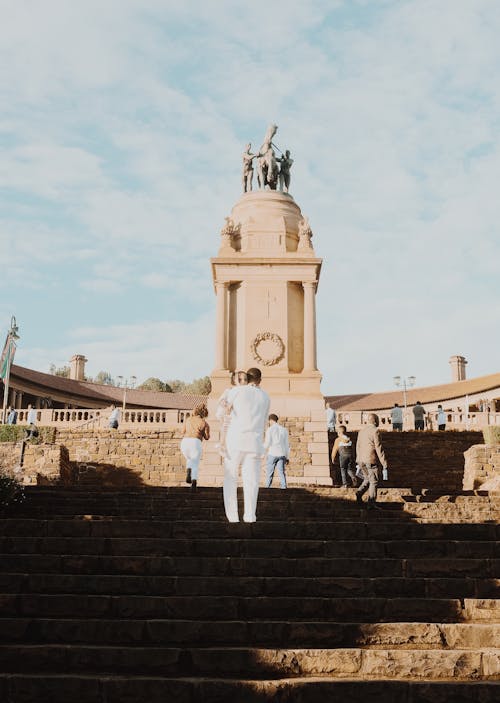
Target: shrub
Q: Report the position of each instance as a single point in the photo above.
(491, 434)
(10, 491)
(15, 433)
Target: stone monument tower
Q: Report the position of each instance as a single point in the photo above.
(265, 276)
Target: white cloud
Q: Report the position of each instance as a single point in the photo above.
(122, 135)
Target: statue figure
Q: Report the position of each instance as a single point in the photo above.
(305, 234)
(267, 167)
(284, 175)
(268, 139)
(247, 175)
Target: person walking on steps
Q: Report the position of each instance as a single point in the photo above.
(114, 418)
(196, 429)
(245, 447)
(368, 448)
(224, 409)
(343, 447)
(278, 451)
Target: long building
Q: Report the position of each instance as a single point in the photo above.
(467, 402)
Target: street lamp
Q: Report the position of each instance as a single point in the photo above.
(7, 358)
(127, 383)
(405, 383)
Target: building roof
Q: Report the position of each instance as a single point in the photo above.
(87, 394)
(51, 386)
(425, 394)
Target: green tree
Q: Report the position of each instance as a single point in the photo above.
(199, 386)
(63, 371)
(105, 378)
(154, 384)
(177, 386)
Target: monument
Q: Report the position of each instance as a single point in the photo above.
(265, 277)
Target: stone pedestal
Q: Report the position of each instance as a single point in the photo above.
(265, 279)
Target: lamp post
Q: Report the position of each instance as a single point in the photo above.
(127, 383)
(405, 383)
(7, 359)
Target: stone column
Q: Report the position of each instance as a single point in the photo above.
(220, 326)
(309, 326)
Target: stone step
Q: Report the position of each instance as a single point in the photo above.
(166, 546)
(344, 609)
(276, 498)
(486, 511)
(331, 587)
(373, 526)
(202, 496)
(39, 494)
(259, 633)
(250, 566)
(414, 664)
(137, 689)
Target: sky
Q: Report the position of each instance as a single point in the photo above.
(121, 133)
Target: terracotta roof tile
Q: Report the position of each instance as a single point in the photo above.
(101, 392)
(426, 394)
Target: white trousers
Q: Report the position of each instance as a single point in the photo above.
(250, 470)
(191, 448)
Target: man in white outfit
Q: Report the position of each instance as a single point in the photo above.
(244, 447)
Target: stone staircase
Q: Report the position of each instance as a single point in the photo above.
(148, 595)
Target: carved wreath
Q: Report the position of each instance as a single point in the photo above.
(267, 339)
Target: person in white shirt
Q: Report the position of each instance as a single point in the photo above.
(114, 418)
(331, 417)
(278, 451)
(397, 418)
(244, 447)
(31, 419)
(224, 408)
(441, 418)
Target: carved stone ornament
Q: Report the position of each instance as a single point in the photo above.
(228, 232)
(268, 348)
(305, 234)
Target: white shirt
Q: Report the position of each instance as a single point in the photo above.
(250, 412)
(31, 416)
(441, 418)
(276, 441)
(397, 415)
(331, 418)
(115, 415)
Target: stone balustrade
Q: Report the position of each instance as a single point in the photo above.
(455, 420)
(90, 418)
(133, 418)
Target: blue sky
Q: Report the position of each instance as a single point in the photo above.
(121, 134)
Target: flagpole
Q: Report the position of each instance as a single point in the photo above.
(6, 385)
(10, 350)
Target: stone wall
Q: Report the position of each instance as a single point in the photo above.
(10, 454)
(42, 463)
(482, 467)
(113, 457)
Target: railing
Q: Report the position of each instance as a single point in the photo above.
(153, 419)
(455, 420)
(90, 418)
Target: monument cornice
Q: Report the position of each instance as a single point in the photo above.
(284, 260)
